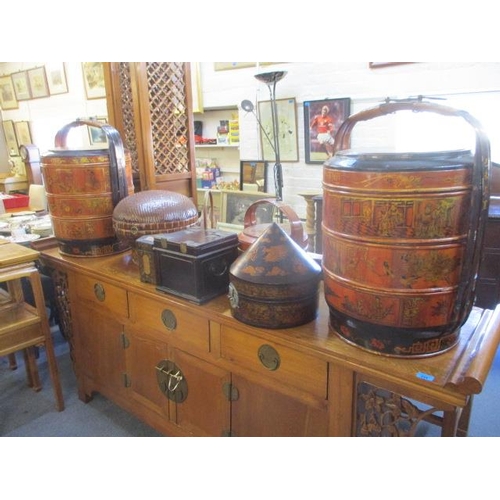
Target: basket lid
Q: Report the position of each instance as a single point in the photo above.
(275, 259)
(382, 160)
(155, 206)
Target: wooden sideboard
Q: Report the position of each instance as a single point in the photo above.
(191, 370)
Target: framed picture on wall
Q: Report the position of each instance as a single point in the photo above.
(21, 85)
(97, 135)
(7, 94)
(287, 127)
(23, 133)
(56, 78)
(221, 66)
(10, 137)
(93, 78)
(322, 120)
(38, 82)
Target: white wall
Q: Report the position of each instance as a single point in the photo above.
(47, 115)
(472, 86)
(478, 82)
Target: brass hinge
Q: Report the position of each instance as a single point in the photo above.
(230, 392)
(126, 380)
(125, 341)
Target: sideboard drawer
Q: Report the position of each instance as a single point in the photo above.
(275, 361)
(185, 328)
(103, 294)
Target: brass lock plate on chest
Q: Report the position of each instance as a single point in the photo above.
(171, 381)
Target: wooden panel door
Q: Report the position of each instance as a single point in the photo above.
(143, 353)
(206, 409)
(101, 356)
(260, 411)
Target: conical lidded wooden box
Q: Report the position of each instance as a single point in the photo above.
(274, 284)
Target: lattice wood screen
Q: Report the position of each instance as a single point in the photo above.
(152, 110)
(128, 116)
(169, 120)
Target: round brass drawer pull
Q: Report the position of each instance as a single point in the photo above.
(269, 357)
(168, 319)
(99, 292)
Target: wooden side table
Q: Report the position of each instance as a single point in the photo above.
(23, 326)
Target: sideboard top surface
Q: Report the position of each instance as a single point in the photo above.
(461, 370)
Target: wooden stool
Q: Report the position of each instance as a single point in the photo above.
(22, 326)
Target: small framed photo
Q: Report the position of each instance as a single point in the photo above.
(21, 85)
(234, 206)
(23, 133)
(97, 136)
(38, 82)
(56, 78)
(7, 94)
(322, 120)
(93, 78)
(10, 137)
(253, 175)
(287, 127)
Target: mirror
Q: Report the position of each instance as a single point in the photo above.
(253, 176)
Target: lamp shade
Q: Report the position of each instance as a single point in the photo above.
(270, 76)
(247, 106)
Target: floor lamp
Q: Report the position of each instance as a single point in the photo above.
(271, 78)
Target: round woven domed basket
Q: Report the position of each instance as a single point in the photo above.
(152, 212)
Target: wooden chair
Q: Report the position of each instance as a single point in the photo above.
(23, 326)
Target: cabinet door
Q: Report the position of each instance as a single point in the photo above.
(101, 357)
(259, 411)
(143, 354)
(206, 410)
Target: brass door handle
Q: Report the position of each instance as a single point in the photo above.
(171, 381)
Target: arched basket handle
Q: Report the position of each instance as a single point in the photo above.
(296, 227)
(117, 170)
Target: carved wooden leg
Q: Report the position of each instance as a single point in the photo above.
(450, 423)
(463, 421)
(310, 219)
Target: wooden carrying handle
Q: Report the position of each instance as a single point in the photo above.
(296, 227)
(117, 170)
(480, 181)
